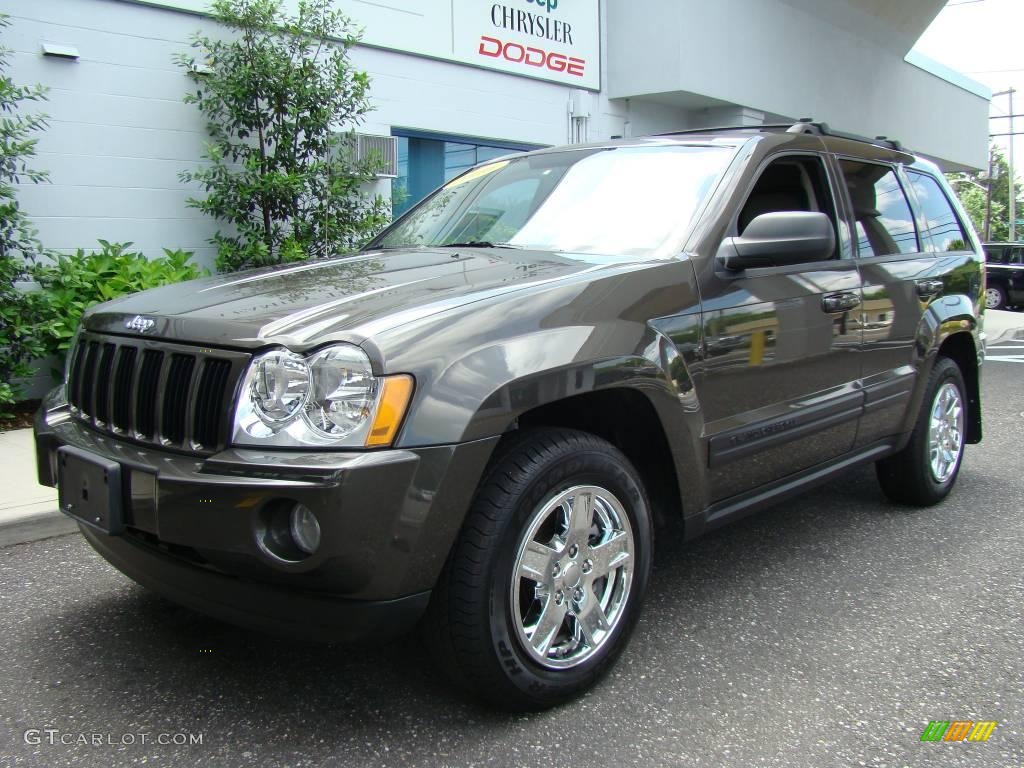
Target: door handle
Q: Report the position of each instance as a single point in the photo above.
(929, 287)
(845, 301)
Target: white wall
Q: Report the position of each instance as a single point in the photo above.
(119, 133)
(826, 60)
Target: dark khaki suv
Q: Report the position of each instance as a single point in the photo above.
(480, 423)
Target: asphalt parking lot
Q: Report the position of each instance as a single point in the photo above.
(828, 631)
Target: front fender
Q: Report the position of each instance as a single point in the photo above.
(542, 369)
(480, 368)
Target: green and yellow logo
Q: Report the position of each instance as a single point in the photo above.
(958, 730)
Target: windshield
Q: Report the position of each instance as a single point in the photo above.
(629, 201)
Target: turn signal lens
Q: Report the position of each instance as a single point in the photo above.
(394, 399)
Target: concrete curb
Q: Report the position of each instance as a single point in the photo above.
(1002, 325)
(1010, 334)
(35, 526)
(28, 511)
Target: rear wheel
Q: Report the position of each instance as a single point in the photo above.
(924, 472)
(543, 588)
(995, 297)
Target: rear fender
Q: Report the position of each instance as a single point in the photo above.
(945, 318)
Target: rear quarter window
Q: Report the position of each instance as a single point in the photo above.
(943, 230)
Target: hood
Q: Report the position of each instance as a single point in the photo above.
(351, 297)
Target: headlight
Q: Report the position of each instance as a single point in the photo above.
(280, 386)
(343, 391)
(329, 398)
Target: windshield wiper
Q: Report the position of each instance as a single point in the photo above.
(477, 244)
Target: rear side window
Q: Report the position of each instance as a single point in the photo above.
(995, 255)
(885, 224)
(944, 231)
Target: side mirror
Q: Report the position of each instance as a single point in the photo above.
(779, 239)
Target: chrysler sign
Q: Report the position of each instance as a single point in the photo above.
(558, 40)
(549, 39)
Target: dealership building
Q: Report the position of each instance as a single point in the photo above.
(455, 82)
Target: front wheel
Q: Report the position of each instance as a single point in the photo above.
(924, 472)
(544, 585)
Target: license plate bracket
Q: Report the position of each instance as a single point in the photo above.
(89, 489)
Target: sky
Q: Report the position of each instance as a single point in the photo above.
(984, 39)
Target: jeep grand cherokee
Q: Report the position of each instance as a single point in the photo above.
(479, 423)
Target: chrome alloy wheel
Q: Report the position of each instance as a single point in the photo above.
(572, 576)
(945, 432)
(993, 298)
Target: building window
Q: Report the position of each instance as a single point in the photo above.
(426, 161)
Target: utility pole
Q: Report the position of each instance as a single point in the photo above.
(988, 195)
(1009, 161)
(1013, 186)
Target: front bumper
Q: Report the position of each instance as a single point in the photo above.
(388, 519)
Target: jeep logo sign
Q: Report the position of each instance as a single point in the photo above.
(140, 324)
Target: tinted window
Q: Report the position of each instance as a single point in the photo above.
(995, 255)
(944, 232)
(885, 224)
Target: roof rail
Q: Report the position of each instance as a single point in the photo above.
(803, 125)
(807, 125)
(722, 128)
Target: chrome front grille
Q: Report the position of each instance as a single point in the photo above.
(150, 391)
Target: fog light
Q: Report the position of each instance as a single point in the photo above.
(305, 529)
(287, 530)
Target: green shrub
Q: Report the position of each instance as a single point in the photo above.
(72, 284)
(20, 335)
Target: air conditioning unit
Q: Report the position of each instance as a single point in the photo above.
(385, 148)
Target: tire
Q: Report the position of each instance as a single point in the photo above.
(995, 297)
(523, 520)
(924, 472)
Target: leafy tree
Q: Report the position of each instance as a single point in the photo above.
(21, 337)
(281, 99)
(972, 189)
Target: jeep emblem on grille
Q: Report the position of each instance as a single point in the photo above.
(140, 323)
